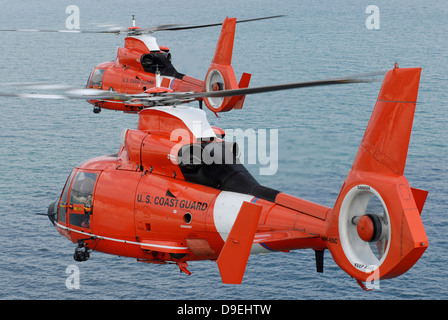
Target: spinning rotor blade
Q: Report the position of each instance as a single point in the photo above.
(218, 24)
(83, 94)
(261, 89)
(173, 98)
(66, 30)
(139, 31)
(39, 85)
(109, 30)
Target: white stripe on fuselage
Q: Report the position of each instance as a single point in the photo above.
(226, 209)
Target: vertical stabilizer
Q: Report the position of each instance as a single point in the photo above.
(221, 76)
(385, 143)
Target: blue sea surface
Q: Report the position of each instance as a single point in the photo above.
(320, 130)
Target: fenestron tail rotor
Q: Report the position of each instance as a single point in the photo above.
(364, 227)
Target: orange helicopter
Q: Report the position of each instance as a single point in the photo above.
(157, 201)
(133, 70)
(161, 200)
(136, 64)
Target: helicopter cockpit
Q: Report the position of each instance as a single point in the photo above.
(76, 202)
(95, 80)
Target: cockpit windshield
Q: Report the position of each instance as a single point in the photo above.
(96, 79)
(82, 189)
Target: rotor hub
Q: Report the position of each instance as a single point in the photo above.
(369, 227)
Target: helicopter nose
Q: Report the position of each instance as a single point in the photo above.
(52, 211)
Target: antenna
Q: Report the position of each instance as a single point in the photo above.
(158, 78)
(133, 20)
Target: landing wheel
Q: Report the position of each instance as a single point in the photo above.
(96, 109)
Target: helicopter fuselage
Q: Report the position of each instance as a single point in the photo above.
(148, 203)
(176, 192)
(133, 71)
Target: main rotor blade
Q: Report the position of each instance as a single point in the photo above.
(217, 24)
(138, 31)
(39, 85)
(65, 30)
(172, 98)
(83, 94)
(278, 87)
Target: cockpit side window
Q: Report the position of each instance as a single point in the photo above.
(62, 208)
(96, 79)
(81, 199)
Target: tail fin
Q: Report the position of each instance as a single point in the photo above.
(233, 258)
(376, 220)
(385, 144)
(220, 75)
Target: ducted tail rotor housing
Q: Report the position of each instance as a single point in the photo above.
(377, 226)
(364, 226)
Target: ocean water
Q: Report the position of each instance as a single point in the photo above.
(319, 133)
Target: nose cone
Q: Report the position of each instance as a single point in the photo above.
(52, 211)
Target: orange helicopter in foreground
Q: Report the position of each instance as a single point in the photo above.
(160, 201)
(176, 191)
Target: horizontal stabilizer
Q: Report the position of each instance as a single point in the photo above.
(419, 198)
(233, 258)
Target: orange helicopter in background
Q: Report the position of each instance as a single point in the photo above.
(176, 191)
(135, 67)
